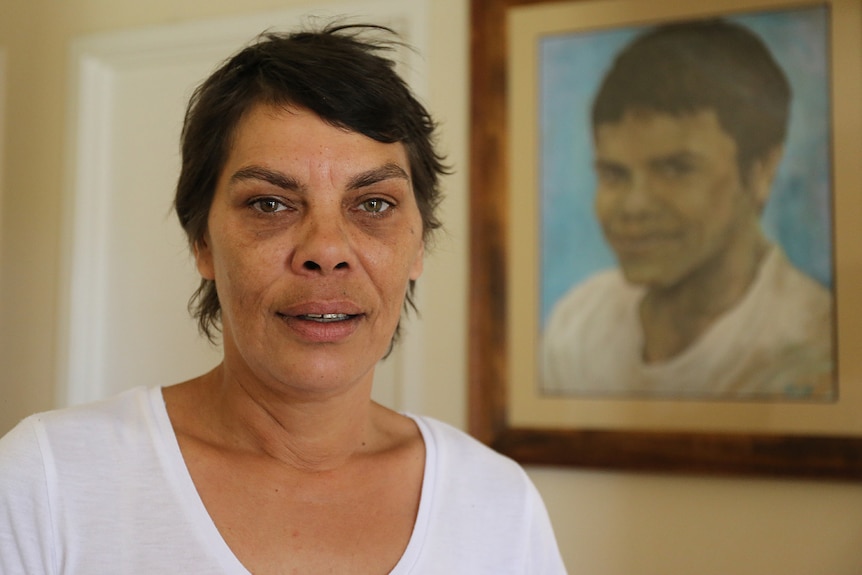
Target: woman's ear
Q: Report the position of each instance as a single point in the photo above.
(204, 258)
(418, 264)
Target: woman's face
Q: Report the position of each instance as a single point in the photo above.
(313, 236)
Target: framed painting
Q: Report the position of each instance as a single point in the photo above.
(664, 272)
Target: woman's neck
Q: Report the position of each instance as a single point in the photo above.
(306, 431)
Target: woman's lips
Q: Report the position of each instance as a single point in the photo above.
(322, 321)
(327, 327)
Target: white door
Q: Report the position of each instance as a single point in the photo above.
(127, 270)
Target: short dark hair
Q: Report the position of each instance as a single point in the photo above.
(340, 74)
(689, 66)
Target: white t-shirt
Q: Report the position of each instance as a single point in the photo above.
(775, 343)
(103, 488)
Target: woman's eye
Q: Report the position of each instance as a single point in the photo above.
(375, 205)
(268, 205)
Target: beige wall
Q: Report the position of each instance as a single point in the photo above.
(607, 523)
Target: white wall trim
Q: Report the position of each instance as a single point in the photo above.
(84, 234)
(3, 88)
(95, 61)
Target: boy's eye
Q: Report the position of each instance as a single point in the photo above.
(611, 174)
(675, 169)
(375, 205)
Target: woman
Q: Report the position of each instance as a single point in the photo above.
(308, 190)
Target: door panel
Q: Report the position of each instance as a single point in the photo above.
(128, 273)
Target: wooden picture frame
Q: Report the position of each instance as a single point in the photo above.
(816, 440)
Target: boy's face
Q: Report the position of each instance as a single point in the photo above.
(670, 196)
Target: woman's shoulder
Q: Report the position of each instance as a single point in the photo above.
(96, 413)
(460, 456)
(89, 427)
(480, 511)
(68, 438)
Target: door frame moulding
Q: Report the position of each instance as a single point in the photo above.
(95, 61)
(3, 96)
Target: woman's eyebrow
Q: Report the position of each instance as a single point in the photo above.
(267, 175)
(281, 180)
(370, 177)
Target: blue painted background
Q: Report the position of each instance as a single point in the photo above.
(798, 215)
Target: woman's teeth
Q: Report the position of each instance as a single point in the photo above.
(325, 317)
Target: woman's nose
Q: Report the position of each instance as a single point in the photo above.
(323, 245)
